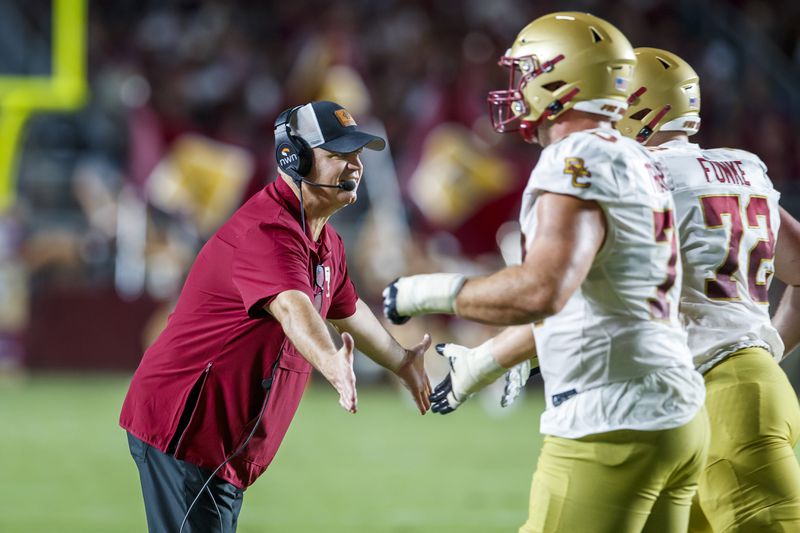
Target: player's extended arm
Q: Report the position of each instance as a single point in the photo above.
(787, 268)
(787, 319)
(378, 344)
(569, 233)
(306, 330)
(512, 352)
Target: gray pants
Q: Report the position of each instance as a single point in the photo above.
(170, 485)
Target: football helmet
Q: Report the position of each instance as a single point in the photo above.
(558, 62)
(666, 96)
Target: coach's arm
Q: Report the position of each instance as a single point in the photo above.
(379, 345)
(307, 331)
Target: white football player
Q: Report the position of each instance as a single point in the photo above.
(626, 432)
(728, 217)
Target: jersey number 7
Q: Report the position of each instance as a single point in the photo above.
(723, 285)
(664, 226)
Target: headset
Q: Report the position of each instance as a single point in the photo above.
(294, 157)
(292, 153)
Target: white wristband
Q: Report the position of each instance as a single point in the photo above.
(471, 368)
(428, 293)
(482, 369)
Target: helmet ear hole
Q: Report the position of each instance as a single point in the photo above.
(596, 37)
(639, 115)
(553, 86)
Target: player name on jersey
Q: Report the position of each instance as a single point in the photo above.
(723, 171)
(728, 214)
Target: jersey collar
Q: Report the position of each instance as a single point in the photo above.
(680, 143)
(291, 203)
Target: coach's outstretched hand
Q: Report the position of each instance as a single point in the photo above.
(471, 369)
(412, 374)
(344, 379)
(421, 295)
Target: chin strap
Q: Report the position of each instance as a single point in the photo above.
(647, 130)
(528, 128)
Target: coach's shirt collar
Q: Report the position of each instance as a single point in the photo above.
(291, 203)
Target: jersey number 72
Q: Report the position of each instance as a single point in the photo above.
(723, 285)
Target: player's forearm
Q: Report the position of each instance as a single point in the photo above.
(512, 296)
(567, 239)
(371, 337)
(514, 345)
(306, 330)
(559, 258)
(787, 250)
(787, 319)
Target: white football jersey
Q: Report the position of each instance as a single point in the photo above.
(615, 357)
(728, 219)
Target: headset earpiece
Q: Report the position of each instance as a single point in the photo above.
(305, 156)
(292, 153)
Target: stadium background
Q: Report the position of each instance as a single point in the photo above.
(130, 130)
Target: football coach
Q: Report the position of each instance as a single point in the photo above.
(214, 395)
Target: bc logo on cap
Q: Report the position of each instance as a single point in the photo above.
(344, 118)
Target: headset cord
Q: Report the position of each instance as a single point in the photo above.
(299, 183)
(216, 508)
(234, 454)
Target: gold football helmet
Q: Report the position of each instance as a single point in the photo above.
(666, 96)
(564, 60)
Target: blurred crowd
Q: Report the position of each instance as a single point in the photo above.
(115, 201)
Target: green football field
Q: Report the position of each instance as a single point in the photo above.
(64, 464)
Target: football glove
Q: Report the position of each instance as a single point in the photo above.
(420, 295)
(516, 378)
(471, 369)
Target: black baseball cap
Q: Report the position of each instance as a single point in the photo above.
(328, 125)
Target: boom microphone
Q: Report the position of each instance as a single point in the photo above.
(347, 185)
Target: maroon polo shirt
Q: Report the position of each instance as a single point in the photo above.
(201, 385)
